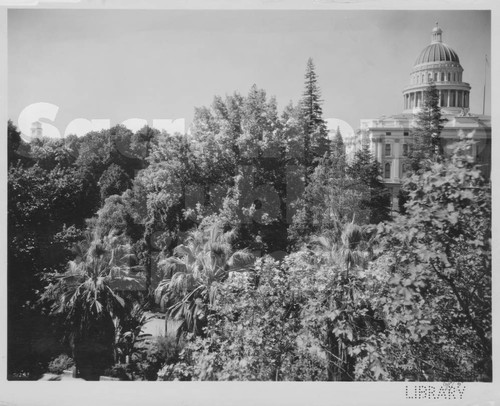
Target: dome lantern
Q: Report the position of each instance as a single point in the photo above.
(437, 50)
(436, 34)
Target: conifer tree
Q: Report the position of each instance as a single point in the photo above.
(366, 171)
(336, 158)
(427, 138)
(338, 141)
(314, 127)
(427, 141)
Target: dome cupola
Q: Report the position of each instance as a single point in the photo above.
(437, 51)
(437, 63)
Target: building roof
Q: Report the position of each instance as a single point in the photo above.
(437, 52)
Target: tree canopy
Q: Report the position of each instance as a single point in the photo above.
(270, 253)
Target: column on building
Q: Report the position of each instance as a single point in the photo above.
(397, 151)
(380, 149)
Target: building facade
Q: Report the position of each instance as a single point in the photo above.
(390, 137)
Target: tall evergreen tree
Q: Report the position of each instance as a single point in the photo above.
(314, 127)
(427, 138)
(427, 141)
(337, 154)
(338, 142)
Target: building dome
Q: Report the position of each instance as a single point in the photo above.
(437, 64)
(437, 52)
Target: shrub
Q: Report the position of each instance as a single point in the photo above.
(61, 363)
(156, 354)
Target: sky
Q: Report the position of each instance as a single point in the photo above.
(121, 64)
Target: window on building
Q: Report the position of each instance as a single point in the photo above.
(405, 149)
(388, 150)
(387, 133)
(442, 76)
(387, 170)
(449, 77)
(406, 133)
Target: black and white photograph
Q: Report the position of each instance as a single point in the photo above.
(249, 195)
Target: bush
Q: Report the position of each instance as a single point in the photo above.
(168, 349)
(61, 363)
(154, 355)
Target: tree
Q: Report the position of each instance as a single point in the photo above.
(441, 262)
(13, 141)
(225, 116)
(315, 131)
(341, 312)
(45, 218)
(113, 181)
(96, 152)
(40, 203)
(427, 141)
(87, 295)
(142, 141)
(338, 144)
(49, 153)
(329, 201)
(339, 193)
(157, 197)
(367, 171)
(117, 216)
(264, 168)
(254, 332)
(193, 275)
(243, 136)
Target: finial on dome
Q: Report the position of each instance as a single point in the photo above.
(436, 33)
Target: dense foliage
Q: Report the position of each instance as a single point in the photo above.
(442, 252)
(271, 253)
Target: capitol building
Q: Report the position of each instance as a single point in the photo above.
(390, 137)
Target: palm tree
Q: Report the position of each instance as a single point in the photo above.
(193, 274)
(356, 246)
(87, 294)
(348, 251)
